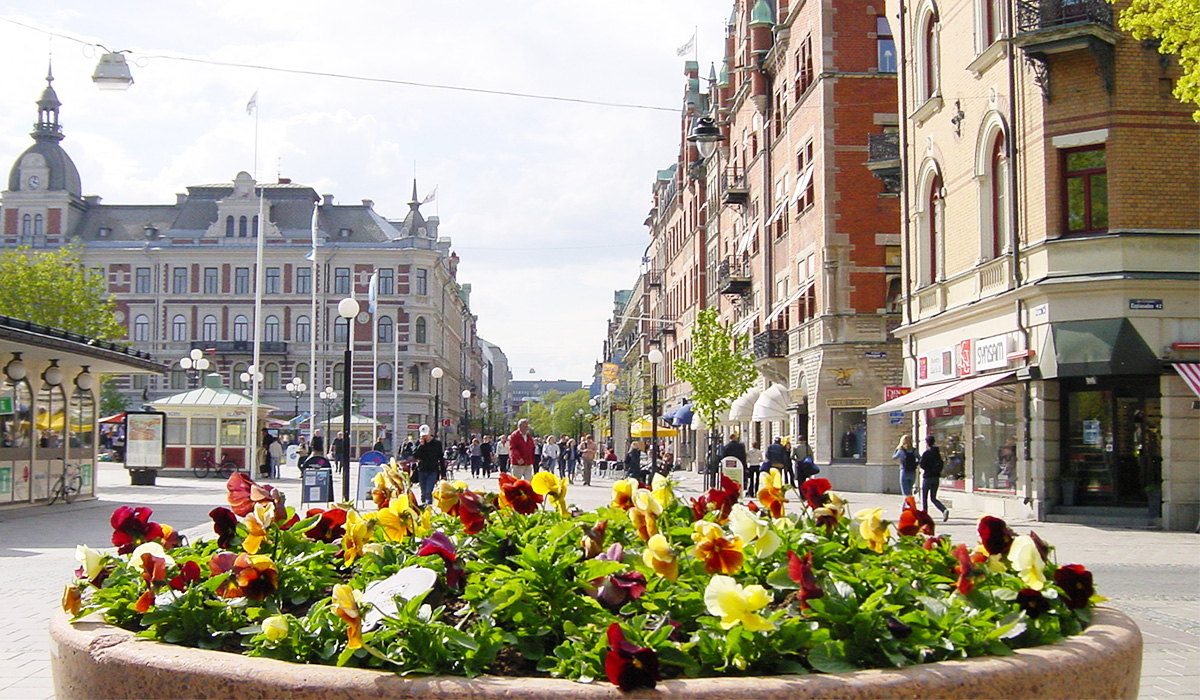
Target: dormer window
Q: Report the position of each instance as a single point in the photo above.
(344, 233)
(104, 232)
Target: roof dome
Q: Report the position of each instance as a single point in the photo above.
(46, 151)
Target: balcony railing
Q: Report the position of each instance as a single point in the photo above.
(1036, 15)
(770, 344)
(240, 346)
(883, 148)
(733, 277)
(737, 189)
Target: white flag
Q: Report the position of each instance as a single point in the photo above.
(686, 48)
(312, 254)
(431, 196)
(253, 103)
(373, 292)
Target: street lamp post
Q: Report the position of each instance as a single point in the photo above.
(296, 389)
(466, 394)
(579, 422)
(611, 387)
(347, 309)
(483, 417)
(593, 403)
(437, 373)
(328, 396)
(194, 364)
(655, 356)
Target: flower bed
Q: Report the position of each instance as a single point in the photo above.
(647, 589)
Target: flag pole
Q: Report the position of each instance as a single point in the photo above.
(373, 306)
(312, 332)
(256, 370)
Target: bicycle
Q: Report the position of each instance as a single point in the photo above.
(68, 485)
(206, 466)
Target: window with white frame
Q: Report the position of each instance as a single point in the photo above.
(303, 280)
(241, 328)
(141, 328)
(303, 329)
(209, 328)
(927, 48)
(386, 327)
(271, 329)
(179, 329)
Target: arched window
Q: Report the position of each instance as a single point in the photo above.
(26, 228)
(414, 377)
(993, 176)
(340, 326)
(303, 329)
(999, 195)
(301, 371)
(241, 328)
(235, 380)
(242, 227)
(927, 63)
(339, 377)
(383, 377)
(179, 328)
(933, 229)
(271, 376)
(422, 335)
(255, 227)
(229, 227)
(209, 328)
(385, 329)
(141, 329)
(271, 329)
(38, 228)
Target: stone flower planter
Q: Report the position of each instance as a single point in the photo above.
(95, 660)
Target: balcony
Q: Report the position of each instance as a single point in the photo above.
(733, 277)
(736, 189)
(240, 347)
(1048, 27)
(770, 344)
(653, 279)
(883, 160)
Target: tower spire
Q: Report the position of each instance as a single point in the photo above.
(47, 126)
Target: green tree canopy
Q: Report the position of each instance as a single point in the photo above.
(719, 369)
(1175, 24)
(566, 413)
(53, 288)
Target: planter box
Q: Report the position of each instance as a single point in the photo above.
(143, 477)
(95, 660)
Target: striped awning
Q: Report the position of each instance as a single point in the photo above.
(1190, 372)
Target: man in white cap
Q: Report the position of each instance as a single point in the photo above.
(429, 455)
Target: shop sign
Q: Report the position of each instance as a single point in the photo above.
(1091, 432)
(965, 358)
(848, 403)
(896, 418)
(5, 479)
(937, 365)
(1145, 304)
(876, 354)
(894, 392)
(991, 353)
(5, 404)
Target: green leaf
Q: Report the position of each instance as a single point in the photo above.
(830, 658)
(780, 579)
(461, 638)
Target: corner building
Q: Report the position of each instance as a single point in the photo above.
(183, 275)
(1051, 248)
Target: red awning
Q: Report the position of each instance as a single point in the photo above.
(114, 419)
(1190, 372)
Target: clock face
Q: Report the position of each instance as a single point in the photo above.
(33, 182)
(364, 317)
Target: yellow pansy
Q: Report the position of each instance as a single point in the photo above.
(872, 528)
(734, 604)
(275, 627)
(754, 531)
(358, 533)
(643, 499)
(399, 519)
(1027, 562)
(346, 603)
(623, 493)
(90, 560)
(553, 488)
(256, 524)
(660, 557)
(662, 488)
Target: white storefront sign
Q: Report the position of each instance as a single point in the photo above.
(991, 353)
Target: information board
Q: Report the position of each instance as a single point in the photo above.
(145, 440)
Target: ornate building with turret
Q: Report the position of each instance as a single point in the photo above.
(183, 274)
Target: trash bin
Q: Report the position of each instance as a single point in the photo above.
(143, 477)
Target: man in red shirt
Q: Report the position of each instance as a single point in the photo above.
(520, 451)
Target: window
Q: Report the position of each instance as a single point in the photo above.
(422, 281)
(179, 280)
(27, 230)
(142, 280)
(421, 332)
(301, 372)
(1085, 190)
(414, 376)
(933, 228)
(341, 280)
(254, 232)
(241, 280)
(178, 379)
(804, 66)
(212, 281)
(927, 63)
(140, 381)
(383, 377)
(229, 227)
(209, 328)
(272, 281)
(805, 188)
(179, 328)
(339, 330)
(303, 329)
(339, 378)
(849, 437)
(303, 280)
(271, 376)
(204, 431)
(236, 380)
(996, 424)
(998, 194)
(241, 328)
(991, 22)
(38, 229)
(141, 329)
(885, 45)
(385, 329)
(387, 281)
(242, 227)
(271, 329)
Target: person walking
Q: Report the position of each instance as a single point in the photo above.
(337, 450)
(549, 454)
(476, 456)
(521, 451)
(802, 460)
(587, 454)
(777, 457)
(431, 460)
(502, 453)
(485, 455)
(908, 459)
(754, 465)
(931, 465)
(633, 462)
(735, 448)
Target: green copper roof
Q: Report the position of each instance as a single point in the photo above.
(761, 14)
(733, 16)
(723, 76)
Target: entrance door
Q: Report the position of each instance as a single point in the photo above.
(1111, 442)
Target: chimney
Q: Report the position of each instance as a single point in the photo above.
(327, 200)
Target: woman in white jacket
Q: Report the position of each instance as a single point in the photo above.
(549, 454)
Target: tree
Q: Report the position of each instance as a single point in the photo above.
(719, 368)
(112, 401)
(566, 412)
(53, 288)
(1175, 24)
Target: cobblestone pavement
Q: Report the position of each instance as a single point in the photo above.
(1152, 576)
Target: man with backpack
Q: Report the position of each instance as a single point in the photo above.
(931, 465)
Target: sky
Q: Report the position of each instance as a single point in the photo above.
(543, 200)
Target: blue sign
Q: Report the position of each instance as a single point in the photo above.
(372, 458)
(876, 354)
(896, 418)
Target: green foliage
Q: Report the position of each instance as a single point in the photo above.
(1175, 24)
(719, 370)
(52, 288)
(112, 401)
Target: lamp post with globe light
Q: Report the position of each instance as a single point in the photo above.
(328, 396)
(654, 357)
(483, 417)
(466, 394)
(611, 390)
(347, 309)
(296, 389)
(437, 373)
(194, 364)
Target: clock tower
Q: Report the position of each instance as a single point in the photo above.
(43, 198)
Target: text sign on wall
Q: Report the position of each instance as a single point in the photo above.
(991, 353)
(1145, 304)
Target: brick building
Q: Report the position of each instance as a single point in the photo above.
(1051, 248)
(184, 277)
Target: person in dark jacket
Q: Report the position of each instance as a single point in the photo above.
(931, 465)
(777, 457)
(431, 460)
(633, 462)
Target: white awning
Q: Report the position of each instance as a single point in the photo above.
(900, 402)
(953, 390)
(745, 241)
(742, 325)
(1190, 373)
(775, 214)
(771, 404)
(782, 306)
(743, 406)
(802, 182)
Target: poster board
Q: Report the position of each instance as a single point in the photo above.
(145, 440)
